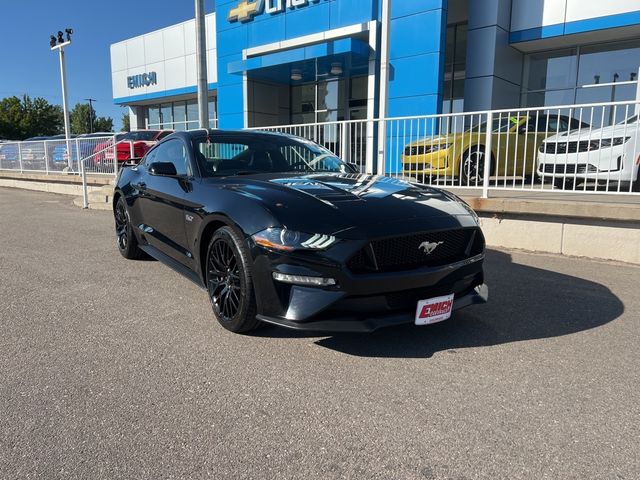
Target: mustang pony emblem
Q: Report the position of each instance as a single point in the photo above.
(429, 247)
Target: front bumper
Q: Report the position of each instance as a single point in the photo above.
(429, 164)
(360, 301)
(369, 322)
(606, 164)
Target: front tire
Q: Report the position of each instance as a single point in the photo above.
(230, 281)
(125, 237)
(472, 167)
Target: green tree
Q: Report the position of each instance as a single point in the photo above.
(11, 116)
(126, 122)
(26, 117)
(103, 124)
(81, 117)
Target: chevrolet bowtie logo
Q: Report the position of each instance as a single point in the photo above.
(244, 12)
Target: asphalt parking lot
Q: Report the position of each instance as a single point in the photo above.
(116, 369)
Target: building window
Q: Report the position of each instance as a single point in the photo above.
(166, 115)
(329, 100)
(179, 115)
(571, 76)
(193, 117)
(455, 68)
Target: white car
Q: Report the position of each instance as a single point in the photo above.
(607, 156)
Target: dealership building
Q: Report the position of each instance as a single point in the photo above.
(285, 62)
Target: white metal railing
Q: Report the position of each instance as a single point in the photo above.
(93, 154)
(590, 148)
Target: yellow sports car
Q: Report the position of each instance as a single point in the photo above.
(514, 148)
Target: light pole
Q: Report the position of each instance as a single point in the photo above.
(90, 100)
(201, 59)
(59, 44)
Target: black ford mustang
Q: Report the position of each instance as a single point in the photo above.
(279, 230)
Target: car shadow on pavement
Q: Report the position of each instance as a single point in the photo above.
(525, 303)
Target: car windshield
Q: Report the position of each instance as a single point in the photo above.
(633, 119)
(503, 124)
(142, 135)
(261, 153)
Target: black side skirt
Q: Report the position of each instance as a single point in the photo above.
(171, 263)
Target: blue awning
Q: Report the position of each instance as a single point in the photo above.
(351, 53)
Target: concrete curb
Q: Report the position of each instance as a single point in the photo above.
(571, 209)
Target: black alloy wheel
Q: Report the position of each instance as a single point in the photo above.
(125, 238)
(229, 281)
(472, 167)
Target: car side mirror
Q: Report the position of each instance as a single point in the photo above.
(163, 169)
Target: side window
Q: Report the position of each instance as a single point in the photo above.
(172, 151)
(222, 155)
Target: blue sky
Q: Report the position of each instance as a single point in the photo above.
(28, 66)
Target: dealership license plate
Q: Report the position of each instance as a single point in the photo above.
(434, 310)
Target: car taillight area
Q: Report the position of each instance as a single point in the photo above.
(125, 150)
(408, 252)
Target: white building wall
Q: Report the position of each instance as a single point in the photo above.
(527, 14)
(170, 52)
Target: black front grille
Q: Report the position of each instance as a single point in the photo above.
(410, 252)
(419, 150)
(568, 147)
(569, 169)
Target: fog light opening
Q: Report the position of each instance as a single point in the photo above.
(303, 280)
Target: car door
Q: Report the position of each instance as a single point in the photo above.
(161, 200)
(504, 143)
(527, 139)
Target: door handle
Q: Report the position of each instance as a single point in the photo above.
(140, 186)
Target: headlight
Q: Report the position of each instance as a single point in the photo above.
(437, 148)
(424, 149)
(286, 240)
(608, 142)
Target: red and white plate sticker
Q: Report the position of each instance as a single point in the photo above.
(434, 310)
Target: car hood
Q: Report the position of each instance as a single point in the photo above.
(435, 140)
(595, 134)
(328, 203)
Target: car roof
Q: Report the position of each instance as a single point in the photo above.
(255, 134)
(96, 134)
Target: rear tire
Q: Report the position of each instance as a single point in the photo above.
(125, 237)
(230, 281)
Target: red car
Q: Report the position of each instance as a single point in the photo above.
(139, 141)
